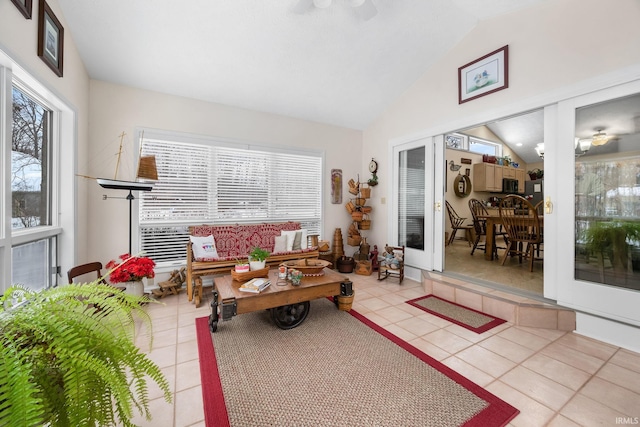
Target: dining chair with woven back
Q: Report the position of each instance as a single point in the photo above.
(479, 214)
(521, 222)
(457, 223)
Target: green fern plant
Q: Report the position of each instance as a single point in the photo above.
(69, 358)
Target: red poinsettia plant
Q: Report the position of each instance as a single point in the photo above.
(130, 269)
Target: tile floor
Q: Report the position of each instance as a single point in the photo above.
(554, 378)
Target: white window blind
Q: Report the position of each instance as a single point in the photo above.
(215, 182)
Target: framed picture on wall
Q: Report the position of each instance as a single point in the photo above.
(483, 76)
(24, 6)
(50, 38)
(456, 141)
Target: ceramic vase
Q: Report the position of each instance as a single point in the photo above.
(135, 288)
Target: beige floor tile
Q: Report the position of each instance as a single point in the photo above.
(588, 412)
(374, 304)
(162, 414)
(555, 370)
(509, 349)
(400, 332)
(468, 335)
(542, 389)
(447, 341)
(524, 338)
(417, 326)
(486, 360)
(626, 359)
(623, 400)
(623, 377)
(393, 314)
(573, 357)
(377, 319)
(187, 351)
(187, 375)
(163, 356)
(428, 348)
(562, 421)
(532, 413)
(189, 407)
(470, 372)
(588, 346)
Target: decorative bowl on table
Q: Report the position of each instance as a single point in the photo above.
(308, 267)
(248, 275)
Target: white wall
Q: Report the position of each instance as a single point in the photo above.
(551, 46)
(115, 108)
(18, 40)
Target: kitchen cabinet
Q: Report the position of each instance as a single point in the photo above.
(488, 177)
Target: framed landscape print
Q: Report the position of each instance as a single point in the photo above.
(483, 76)
(50, 38)
(24, 6)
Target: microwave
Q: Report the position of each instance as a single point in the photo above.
(509, 185)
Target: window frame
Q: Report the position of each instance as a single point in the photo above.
(212, 143)
(60, 234)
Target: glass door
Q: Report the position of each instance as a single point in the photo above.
(419, 218)
(598, 205)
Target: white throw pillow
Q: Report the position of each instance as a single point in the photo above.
(291, 235)
(204, 247)
(280, 244)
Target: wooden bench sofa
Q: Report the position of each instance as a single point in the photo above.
(233, 242)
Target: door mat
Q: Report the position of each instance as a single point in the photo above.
(466, 317)
(317, 374)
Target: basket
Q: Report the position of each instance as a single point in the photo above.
(323, 245)
(354, 187)
(350, 206)
(345, 264)
(345, 301)
(366, 209)
(308, 267)
(365, 224)
(357, 216)
(248, 275)
(354, 240)
(360, 201)
(365, 192)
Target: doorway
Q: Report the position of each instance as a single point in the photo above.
(513, 140)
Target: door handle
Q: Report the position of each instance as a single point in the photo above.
(548, 206)
(438, 206)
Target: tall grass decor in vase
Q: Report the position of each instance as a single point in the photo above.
(69, 358)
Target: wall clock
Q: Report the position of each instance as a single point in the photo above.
(373, 166)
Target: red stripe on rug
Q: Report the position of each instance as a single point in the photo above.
(215, 409)
(497, 413)
(489, 325)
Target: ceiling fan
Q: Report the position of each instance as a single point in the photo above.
(364, 8)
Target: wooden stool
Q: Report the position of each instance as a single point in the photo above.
(171, 286)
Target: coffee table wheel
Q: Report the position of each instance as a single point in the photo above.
(213, 323)
(290, 316)
(335, 300)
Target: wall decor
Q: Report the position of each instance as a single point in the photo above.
(465, 161)
(483, 76)
(50, 38)
(24, 6)
(336, 186)
(467, 172)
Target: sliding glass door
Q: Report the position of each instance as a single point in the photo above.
(600, 204)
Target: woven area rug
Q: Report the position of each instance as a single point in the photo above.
(335, 369)
(460, 315)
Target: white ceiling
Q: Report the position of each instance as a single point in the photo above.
(326, 65)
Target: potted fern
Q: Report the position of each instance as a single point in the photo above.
(69, 359)
(258, 258)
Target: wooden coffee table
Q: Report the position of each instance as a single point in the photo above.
(289, 304)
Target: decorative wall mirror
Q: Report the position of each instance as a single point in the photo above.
(462, 185)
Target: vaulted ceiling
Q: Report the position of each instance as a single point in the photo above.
(338, 65)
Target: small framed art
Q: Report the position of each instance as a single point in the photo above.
(50, 38)
(483, 76)
(24, 6)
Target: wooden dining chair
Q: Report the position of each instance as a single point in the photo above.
(521, 222)
(457, 223)
(478, 211)
(539, 207)
(88, 269)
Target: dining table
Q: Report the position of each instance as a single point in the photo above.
(493, 220)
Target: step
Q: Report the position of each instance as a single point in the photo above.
(513, 305)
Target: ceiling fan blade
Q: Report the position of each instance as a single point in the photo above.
(367, 11)
(302, 6)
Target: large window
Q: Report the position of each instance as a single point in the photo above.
(214, 181)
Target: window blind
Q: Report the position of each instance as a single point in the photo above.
(214, 182)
